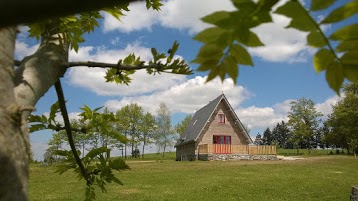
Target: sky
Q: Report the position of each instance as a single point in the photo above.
(283, 69)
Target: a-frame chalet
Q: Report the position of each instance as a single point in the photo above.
(215, 131)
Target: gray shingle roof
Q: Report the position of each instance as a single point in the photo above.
(199, 120)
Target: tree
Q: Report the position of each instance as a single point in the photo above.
(267, 137)
(22, 87)
(304, 122)
(344, 120)
(281, 135)
(258, 139)
(230, 34)
(181, 126)
(130, 119)
(165, 135)
(147, 129)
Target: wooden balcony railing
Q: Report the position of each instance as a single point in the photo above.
(236, 149)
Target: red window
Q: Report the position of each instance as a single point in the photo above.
(220, 139)
(221, 118)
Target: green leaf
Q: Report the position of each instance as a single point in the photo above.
(213, 35)
(241, 55)
(341, 13)
(335, 76)
(35, 118)
(118, 164)
(54, 109)
(95, 152)
(266, 5)
(246, 6)
(350, 58)
(213, 73)
(315, 39)
(347, 45)
(216, 18)
(320, 4)
(231, 67)
(323, 59)
(37, 127)
(209, 51)
(301, 19)
(349, 32)
(351, 72)
(252, 41)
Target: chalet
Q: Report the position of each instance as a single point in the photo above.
(216, 133)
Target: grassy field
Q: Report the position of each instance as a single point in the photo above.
(313, 178)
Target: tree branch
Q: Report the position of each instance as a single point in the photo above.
(111, 65)
(62, 104)
(14, 12)
(17, 63)
(159, 67)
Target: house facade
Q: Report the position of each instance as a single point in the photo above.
(215, 132)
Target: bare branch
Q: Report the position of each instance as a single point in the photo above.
(14, 12)
(62, 103)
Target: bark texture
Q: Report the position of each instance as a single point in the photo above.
(13, 143)
(20, 90)
(354, 194)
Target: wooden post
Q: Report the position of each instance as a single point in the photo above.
(354, 194)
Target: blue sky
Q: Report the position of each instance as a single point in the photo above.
(283, 68)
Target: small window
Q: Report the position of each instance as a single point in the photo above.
(219, 139)
(221, 118)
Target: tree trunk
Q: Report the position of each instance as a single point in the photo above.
(143, 148)
(19, 92)
(354, 194)
(13, 142)
(163, 150)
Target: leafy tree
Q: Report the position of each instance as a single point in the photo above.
(165, 135)
(181, 126)
(130, 119)
(224, 48)
(23, 86)
(344, 120)
(230, 34)
(304, 122)
(147, 129)
(267, 137)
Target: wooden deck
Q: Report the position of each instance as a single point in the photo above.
(236, 149)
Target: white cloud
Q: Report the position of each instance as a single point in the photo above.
(186, 14)
(22, 49)
(137, 18)
(186, 97)
(326, 107)
(93, 78)
(262, 117)
(178, 14)
(281, 44)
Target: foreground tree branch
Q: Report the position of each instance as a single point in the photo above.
(117, 66)
(62, 104)
(17, 12)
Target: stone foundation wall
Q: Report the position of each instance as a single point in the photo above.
(226, 157)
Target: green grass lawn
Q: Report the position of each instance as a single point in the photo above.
(313, 178)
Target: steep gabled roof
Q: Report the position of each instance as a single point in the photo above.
(201, 118)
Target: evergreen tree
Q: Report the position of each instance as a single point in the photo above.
(267, 137)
